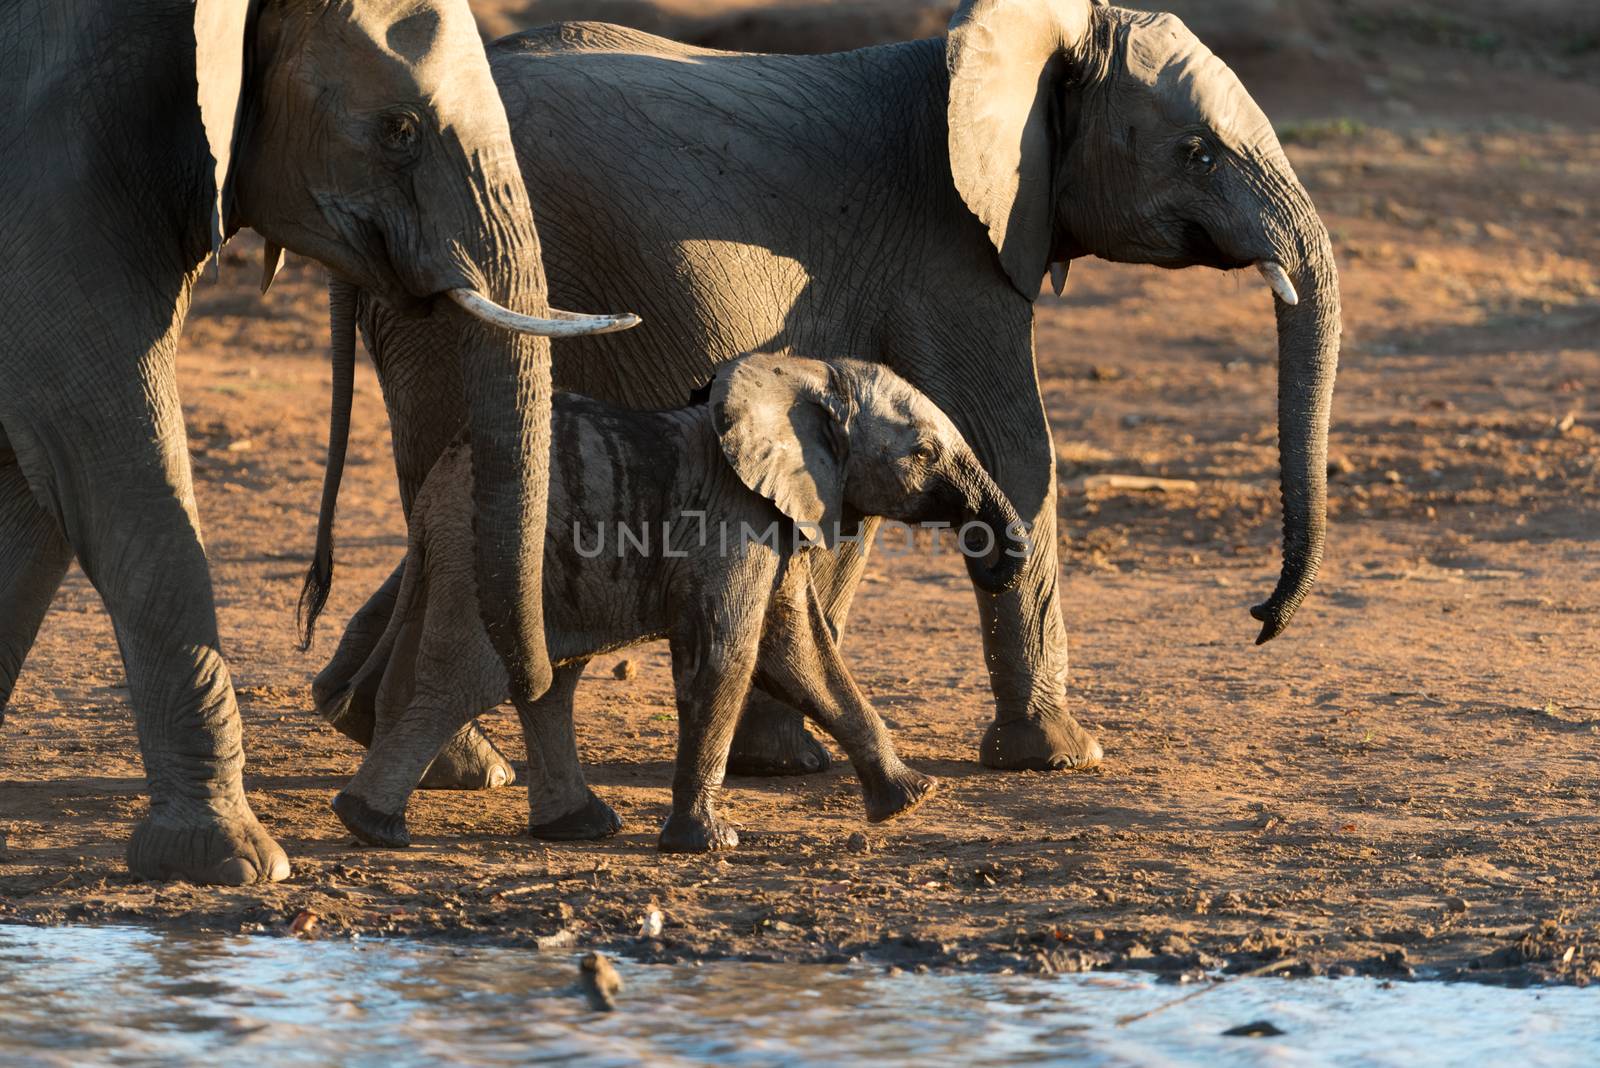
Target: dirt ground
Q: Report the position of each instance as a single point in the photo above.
(1408, 779)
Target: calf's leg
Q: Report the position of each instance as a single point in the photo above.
(800, 659)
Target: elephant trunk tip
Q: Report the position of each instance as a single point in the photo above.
(1274, 620)
(999, 569)
(1276, 612)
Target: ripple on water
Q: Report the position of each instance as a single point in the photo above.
(127, 996)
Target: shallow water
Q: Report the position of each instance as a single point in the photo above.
(127, 996)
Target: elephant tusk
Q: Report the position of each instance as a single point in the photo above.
(271, 264)
(560, 323)
(1278, 280)
(1058, 275)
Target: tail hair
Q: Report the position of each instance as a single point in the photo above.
(314, 594)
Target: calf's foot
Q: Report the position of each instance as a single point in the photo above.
(896, 793)
(468, 761)
(772, 740)
(1045, 743)
(369, 825)
(205, 846)
(592, 820)
(697, 831)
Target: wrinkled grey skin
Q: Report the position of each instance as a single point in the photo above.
(781, 442)
(874, 201)
(369, 136)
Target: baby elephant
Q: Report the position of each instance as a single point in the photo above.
(695, 525)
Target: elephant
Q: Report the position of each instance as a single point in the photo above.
(367, 135)
(717, 510)
(906, 200)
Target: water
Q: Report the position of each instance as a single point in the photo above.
(127, 996)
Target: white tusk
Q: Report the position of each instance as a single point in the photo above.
(560, 323)
(1278, 280)
(1058, 276)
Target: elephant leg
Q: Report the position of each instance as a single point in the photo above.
(346, 694)
(33, 559)
(346, 690)
(713, 661)
(387, 681)
(800, 659)
(1024, 639)
(438, 673)
(561, 806)
(772, 738)
(420, 708)
(113, 469)
(469, 761)
(1025, 649)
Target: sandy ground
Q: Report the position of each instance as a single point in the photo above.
(1406, 780)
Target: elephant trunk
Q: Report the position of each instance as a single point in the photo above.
(996, 544)
(1308, 359)
(506, 379)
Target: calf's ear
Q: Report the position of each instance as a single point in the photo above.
(779, 424)
(221, 28)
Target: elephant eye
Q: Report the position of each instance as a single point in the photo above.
(399, 131)
(924, 451)
(1200, 158)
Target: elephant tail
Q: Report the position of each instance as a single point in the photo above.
(319, 576)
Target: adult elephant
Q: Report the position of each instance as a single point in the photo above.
(365, 134)
(902, 202)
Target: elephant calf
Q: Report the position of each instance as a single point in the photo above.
(694, 525)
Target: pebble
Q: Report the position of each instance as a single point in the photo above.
(1255, 1029)
(857, 843)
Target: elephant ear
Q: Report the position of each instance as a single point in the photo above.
(779, 422)
(220, 29)
(1002, 57)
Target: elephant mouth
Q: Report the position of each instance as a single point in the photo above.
(1201, 250)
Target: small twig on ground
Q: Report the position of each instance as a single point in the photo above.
(1423, 694)
(1136, 483)
(1124, 1021)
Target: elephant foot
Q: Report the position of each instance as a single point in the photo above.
(1053, 744)
(469, 761)
(594, 820)
(897, 794)
(213, 850)
(696, 832)
(370, 826)
(772, 740)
